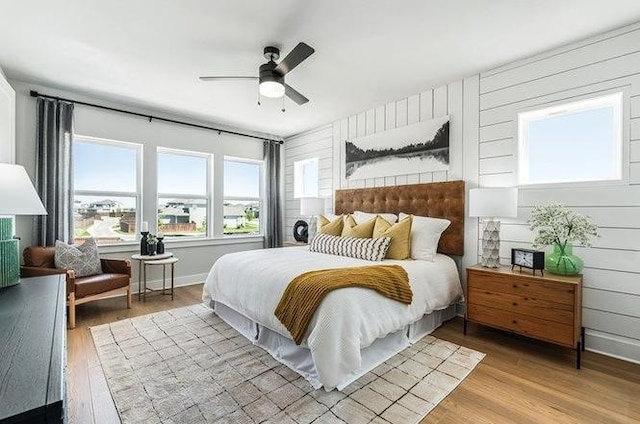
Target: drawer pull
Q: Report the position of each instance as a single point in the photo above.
(515, 304)
(514, 321)
(515, 286)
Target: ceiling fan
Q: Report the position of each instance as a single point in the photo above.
(271, 74)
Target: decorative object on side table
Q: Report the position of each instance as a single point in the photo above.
(558, 226)
(160, 248)
(301, 231)
(491, 203)
(17, 197)
(152, 245)
(527, 258)
(144, 230)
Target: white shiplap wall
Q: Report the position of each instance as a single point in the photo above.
(610, 62)
(458, 99)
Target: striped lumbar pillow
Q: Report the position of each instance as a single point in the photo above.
(361, 248)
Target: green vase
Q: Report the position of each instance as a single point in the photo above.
(562, 261)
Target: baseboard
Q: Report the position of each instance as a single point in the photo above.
(615, 346)
(180, 281)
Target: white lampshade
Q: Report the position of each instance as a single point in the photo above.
(17, 194)
(500, 202)
(311, 206)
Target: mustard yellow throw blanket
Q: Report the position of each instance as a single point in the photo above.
(305, 292)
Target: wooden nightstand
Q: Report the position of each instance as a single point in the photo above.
(546, 307)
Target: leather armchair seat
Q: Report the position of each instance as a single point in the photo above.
(115, 279)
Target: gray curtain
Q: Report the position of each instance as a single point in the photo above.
(54, 171)
(273, 208)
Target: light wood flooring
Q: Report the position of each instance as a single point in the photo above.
(519, 381)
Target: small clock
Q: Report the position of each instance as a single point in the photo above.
(527, 258)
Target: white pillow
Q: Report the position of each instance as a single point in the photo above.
(361, 217)
(425, 235)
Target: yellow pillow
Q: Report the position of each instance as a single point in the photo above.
(400, 233)
(333, 228)
(364, 230)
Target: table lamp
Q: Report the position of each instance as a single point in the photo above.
(17, 197)
(490, 203)
(311, 206)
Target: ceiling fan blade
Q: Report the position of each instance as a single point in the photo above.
(294, 95)
(227, 78)
(294, 58)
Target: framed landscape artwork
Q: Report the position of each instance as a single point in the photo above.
(421, 147)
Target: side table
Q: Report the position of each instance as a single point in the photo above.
(163, 263)
(142, 270)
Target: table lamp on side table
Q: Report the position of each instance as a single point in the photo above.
(312, 207)
(17, 197)
(491, 203)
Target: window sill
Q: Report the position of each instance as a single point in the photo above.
(179, 244)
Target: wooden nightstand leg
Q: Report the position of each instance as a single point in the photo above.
(578, 355)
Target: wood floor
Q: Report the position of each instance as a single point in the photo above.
(519, 381)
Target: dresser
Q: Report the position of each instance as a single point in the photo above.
(547, 308)
(32, 353)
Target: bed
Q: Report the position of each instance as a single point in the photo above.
(354, 329)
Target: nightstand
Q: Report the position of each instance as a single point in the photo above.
(547, 308)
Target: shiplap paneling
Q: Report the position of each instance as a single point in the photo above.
(589, 68)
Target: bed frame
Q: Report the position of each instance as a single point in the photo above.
(437, 200)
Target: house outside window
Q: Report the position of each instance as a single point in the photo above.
(573, 142)
(107, 190)
(183, 193)
(242, 199)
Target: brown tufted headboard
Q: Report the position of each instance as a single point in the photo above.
(438, 200)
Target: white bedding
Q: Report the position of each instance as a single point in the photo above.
(347, 320)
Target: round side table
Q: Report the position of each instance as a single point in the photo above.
(163, 263)
(142, 275)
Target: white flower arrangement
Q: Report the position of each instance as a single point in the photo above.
(556, 224)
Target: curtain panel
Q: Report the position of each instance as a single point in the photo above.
(54, 183)
(273, 208)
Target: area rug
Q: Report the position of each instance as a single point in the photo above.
(187, 366)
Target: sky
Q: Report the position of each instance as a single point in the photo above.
(109, 167)
(560, 146)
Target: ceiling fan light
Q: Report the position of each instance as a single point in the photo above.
(271, 89)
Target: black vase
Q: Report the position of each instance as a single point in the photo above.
(144, 246)
(160, 246)
(151, 249)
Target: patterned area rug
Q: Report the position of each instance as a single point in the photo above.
(187, 366)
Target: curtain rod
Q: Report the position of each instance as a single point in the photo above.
(34, 93)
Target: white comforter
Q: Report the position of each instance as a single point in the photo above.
(347, 320)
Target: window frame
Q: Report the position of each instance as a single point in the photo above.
(261, 195)
(587, 102)
(138, 195)
(208, 196)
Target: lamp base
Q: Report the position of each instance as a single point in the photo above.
(490, 244)
(9, 254)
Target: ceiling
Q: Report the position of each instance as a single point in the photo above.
(150, 53)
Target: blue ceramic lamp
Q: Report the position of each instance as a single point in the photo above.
(17, 197)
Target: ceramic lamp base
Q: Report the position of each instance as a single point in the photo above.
(9, 254)
(490, 244)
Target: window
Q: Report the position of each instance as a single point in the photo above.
(106, 199)
(574, 142)
(305, 178)
(183, 193)
(242, 187)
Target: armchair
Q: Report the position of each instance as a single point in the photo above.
(116, 278)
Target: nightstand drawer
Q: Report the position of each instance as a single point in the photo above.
(523, 286)
(525, 325)
(525, 305)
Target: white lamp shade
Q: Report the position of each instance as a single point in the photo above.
(17, 194)
(500, 202)
(311, 206)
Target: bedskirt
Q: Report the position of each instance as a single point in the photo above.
(299, 358)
